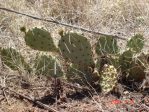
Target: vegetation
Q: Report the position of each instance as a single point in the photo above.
(77, 53)
(71, 74)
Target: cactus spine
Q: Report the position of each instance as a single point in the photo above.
(13, 59)
(77, 52)
(44, 66)
(39, 39)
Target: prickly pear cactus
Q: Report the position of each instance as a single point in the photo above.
(136, 43)
(132, 67)
(137, 70)
(13, 59)
(109, 59)
(74, 75)
(46, 65)
(106, 45)
(76, 49)
(125, 60)
(39, 39)
(82, 76)
(108, 78)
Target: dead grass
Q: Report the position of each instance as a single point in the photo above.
(120, 17)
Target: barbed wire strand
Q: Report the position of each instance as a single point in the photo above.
(60, 23)
(63, 24)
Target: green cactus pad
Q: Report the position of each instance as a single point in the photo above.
(45, 66)
(106, 45)
(137, 71)
(74, 75)
(125, 60)
(80, 75)
(76, 49)
(109, 59)
(114, 60)
(136, 43)
(40, 39)
(108, 78)
(13, 59)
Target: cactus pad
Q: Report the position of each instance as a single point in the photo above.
(137, 71)
(80, 75)
(136, 43)
(45, 66)
(106, 45)
(13, 59)
(108, 78)
(76, 49)
(39, 39)
(125, 60)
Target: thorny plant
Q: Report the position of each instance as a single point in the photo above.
(79, 64)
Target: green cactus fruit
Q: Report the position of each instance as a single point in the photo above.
(106, 45)
(13, 59)
(136, 43)
(125, 60)
(76, 48)
(108, 78)
(39, 39)
(47, 65)
(23, 29)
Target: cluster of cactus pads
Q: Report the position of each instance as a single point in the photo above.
(77, 52)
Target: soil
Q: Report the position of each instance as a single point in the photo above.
(67, 97)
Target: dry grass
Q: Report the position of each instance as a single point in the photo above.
(120, 17)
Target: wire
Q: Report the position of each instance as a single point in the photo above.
(61, 23)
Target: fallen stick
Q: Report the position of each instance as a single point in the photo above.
(30, 99)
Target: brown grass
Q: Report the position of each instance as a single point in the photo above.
(120, 17)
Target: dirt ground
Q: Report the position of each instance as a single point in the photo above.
(65, 97)
(22, 92)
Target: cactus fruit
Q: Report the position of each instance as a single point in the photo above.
(106, 45)
(76, 49)
(136, 43)
(39, 39)
(45, 65)
(108, 78)
(23, 29)
(13, 59)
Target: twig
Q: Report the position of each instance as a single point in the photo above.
(60, 23)
(5, 96)
(30, 99)
(146, 107)
(77, 87)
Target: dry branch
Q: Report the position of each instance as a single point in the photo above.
(29, 99)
